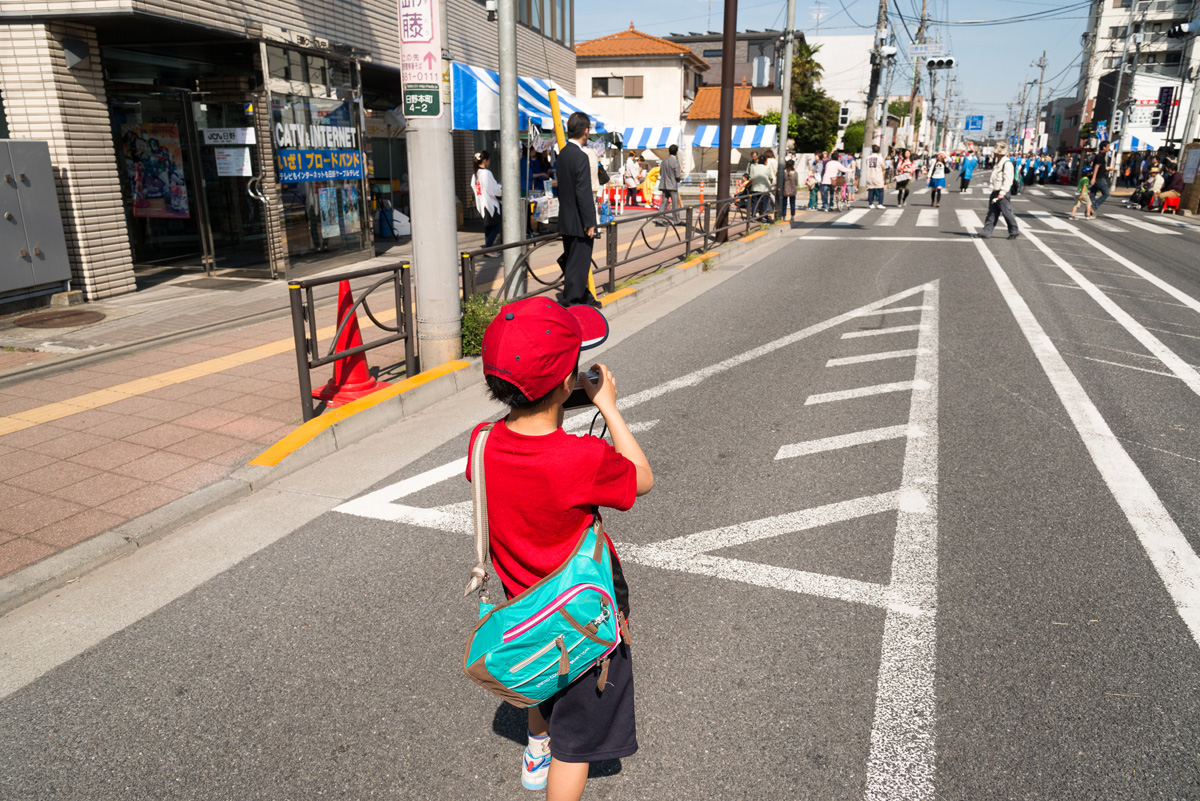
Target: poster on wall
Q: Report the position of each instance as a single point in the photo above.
(350, 220)
(154, 167)
(327, 199)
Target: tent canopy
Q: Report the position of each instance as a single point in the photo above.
(743, 136)
(476, 103)
(650, 138)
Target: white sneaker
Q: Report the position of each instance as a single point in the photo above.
(535, 769)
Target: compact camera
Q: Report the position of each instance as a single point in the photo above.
(579, 398)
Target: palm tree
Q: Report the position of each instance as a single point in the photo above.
(806, 72)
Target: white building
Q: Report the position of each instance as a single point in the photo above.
(1155, 54)
(640, 84)
(845, 70)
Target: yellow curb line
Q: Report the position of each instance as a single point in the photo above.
(306, 432)
(692, 262)
(750, 237)
(615, 296)
(139, 386)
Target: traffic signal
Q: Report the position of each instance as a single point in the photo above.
(1156, 117)
(943, 63)
(1118, 118)
(844, 117)
(1183, 30)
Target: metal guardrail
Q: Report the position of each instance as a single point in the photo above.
(304, 324)
(675, 236)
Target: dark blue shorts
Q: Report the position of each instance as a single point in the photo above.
(590, 726)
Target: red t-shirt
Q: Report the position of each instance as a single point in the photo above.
(540, 494)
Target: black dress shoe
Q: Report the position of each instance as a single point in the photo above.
(980, 236)
(1013, 236)
(594, 303)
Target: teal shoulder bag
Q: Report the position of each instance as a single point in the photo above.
(534, 645)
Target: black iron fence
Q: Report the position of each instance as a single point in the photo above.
(304, 323)
(634, 244)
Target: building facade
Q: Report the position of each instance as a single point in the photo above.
(216, 135)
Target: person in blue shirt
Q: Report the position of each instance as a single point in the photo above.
(968, 170)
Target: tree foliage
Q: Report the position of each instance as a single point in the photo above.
(818, 123)
(852, 137)
(772, 118)
(899, 108)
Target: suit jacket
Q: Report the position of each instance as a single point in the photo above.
(576, 209)
(670, 173)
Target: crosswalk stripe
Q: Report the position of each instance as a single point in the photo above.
(1106, 226)
(968, 191)
(890, 217)
(1060, 193)
(851, 217)
(1052, 221)
(969, 219)
(927, 218)
(1145, 226)
(1038, 192)
(1163, 219)
(921, 191)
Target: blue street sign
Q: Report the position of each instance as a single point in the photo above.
(975, 123)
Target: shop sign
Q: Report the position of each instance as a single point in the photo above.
(421, 71)
(303, 166)
(228, 136)
(233, 162)
(295, 135)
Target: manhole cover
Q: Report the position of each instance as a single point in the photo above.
(67, 318)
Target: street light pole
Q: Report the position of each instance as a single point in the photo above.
(512, 210)
(916, 85)
(785, 111)
(728, 55)
(873, 89)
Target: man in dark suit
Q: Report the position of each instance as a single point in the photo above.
(576, 212)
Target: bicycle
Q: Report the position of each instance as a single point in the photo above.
(839, 194)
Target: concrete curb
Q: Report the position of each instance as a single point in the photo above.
(56, 571)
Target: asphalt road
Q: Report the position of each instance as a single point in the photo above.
(924, 526)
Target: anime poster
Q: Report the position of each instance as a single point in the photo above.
(327, 199)
(350, 219)
(154, 167)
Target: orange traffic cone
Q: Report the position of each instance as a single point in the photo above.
(702, 193)
(351, 380)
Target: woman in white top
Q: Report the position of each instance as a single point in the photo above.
(633, 178)
(487, 197)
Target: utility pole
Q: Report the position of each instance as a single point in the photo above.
(435, 241)
(1116, 156)
(1037, 126)
(916, 84)
(1188, 52)
(946, 125)
(877, 57)
(728, 50)
(931, 111)
(785, 112)
(512, 210)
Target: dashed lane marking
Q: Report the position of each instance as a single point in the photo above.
(872, 357)
(875, 332)
(846, 441)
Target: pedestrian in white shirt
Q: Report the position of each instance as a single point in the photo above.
(486, 190)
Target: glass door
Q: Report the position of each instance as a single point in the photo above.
(228, 154)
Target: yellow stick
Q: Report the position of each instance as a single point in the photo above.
(559, 134)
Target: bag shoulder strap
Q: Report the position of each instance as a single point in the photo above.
(479, 573)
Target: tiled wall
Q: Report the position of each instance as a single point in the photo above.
(67, 108)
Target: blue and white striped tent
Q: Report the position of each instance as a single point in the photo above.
(476, 104)
(649, 138)
(743, 136)
(1134, 144)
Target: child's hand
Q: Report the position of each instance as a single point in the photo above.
(603, 392)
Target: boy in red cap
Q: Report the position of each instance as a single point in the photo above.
(544, 486)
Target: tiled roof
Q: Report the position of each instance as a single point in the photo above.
(633, 43)
(707, 105)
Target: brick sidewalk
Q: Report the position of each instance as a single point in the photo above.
(86, 467)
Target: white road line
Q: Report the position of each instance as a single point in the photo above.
(921, 191)
(968, 219)
(866, 392)
(1145, 226)
(1174, 560)
(1060, 193)
(381, 504)
(968, 191)
(1179, 295)
(890, 217)
(875, 332)
(889, 310)
(845, 441)
(1052, 221)
(826, 237)
(1116, 364)
(1104, 225)
(871, 357)
(1184, 371)
(851, 217)
(927, 218)
(1165, 219)
(1037, 192)
(902, 760)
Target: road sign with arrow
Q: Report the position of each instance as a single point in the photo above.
(420, 58)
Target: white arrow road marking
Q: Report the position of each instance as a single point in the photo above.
(893, 310)
(381, 505)
(865, 392)
(875, 332)
(871, 357)
(846, 441)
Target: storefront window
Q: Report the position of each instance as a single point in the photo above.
(321, 166)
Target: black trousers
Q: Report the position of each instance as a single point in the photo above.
(576, 263)
(998, 206)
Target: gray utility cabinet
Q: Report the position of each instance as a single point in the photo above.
(33, 250)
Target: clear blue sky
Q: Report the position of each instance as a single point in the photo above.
(994, 60)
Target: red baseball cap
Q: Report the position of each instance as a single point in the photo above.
(534, 344)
